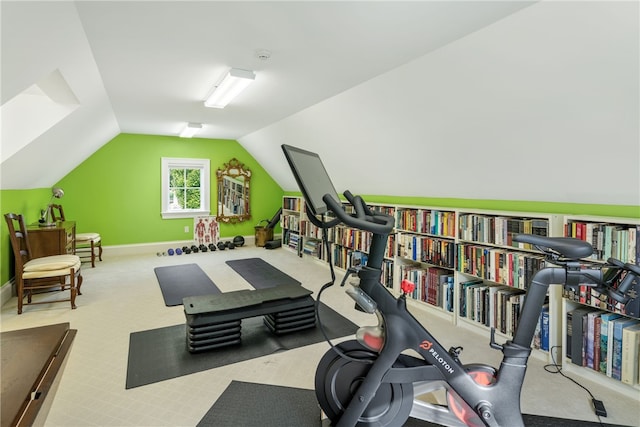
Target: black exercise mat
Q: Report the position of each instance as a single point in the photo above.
(160, 354)
(260, 405)
(259, 273)
(180, 281)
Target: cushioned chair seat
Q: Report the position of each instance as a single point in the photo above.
(50, 266)
(41, 275)
(86, 238)
(86, 243)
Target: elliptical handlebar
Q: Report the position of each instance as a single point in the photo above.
(363, 219)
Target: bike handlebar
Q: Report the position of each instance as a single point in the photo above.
(616, 281)
(364, 218)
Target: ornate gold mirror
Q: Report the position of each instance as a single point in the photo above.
(233, 192)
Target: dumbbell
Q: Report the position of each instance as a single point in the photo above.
(202, 248)
(194, 249)
(170, 251)
(221, 246)
(212, 247)
(178, 251)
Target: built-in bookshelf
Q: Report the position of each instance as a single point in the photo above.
(601, 337)
(493, 273)
(290, 219)
(426, 255)
(468, 269)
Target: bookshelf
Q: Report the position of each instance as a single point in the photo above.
(490, 272)
(493, 272)
(350, 247)
(610, 237)
(426, 254)
(290, 219)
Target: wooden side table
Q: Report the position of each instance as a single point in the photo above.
(57, 240)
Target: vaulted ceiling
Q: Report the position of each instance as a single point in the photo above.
(75, 74)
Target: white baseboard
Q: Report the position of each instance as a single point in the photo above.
(146, 248)
(7, 291)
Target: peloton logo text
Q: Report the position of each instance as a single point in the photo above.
(426, 345)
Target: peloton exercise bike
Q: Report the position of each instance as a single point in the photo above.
(369, 381)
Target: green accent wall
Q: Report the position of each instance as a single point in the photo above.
(618, 211)
(116, 192)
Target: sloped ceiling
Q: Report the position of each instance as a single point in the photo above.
(145, 67)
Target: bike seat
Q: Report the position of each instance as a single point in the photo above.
(568, 247)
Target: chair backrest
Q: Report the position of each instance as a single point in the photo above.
(19, 240)
(56, 212)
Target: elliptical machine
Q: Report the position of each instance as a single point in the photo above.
(369, 381)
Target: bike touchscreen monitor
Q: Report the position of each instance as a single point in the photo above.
(311, 176)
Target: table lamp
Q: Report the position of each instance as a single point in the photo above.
(45, 221)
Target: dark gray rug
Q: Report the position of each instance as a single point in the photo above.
(259, 273)
(160, 354)
(260, 405)
(180, 281)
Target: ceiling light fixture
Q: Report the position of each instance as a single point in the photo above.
(234, 82)
(190, 130)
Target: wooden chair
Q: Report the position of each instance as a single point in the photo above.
(86, 243)
(41, 274)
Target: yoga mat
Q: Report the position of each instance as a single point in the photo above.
(259, 273)
(260, 405)
(180, 281)
(160, 354)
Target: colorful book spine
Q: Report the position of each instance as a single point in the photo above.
(618, 326)
(604, 339)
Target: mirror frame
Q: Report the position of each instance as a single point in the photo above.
(233, 169)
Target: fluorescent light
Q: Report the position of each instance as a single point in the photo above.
(190, 130)
(234, 82)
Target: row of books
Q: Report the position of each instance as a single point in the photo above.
(290, 222)
(431, 250)
(587, 295)
(433, 285)
(308, 230)
(292, 204)
(292, 240)
(427, 221)
(515, 269)
(344, 258)
(620, 242)
(491, 305)
(606, 342)
(313, 247)
(357, 240)
(499, 230)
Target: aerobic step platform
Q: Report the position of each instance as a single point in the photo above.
(214, 321)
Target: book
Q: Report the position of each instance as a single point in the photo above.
(616, 356)
(544, 328)
(604, 339)
(577, 341)
(630, 354)
(590, 344)
(463, 295)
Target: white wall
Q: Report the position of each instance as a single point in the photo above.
(541, 106)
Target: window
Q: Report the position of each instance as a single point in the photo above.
(185, 187)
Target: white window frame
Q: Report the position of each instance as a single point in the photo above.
(169, 163)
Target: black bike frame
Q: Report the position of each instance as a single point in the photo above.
(497, 404)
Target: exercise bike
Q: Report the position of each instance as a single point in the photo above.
(372, 381)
